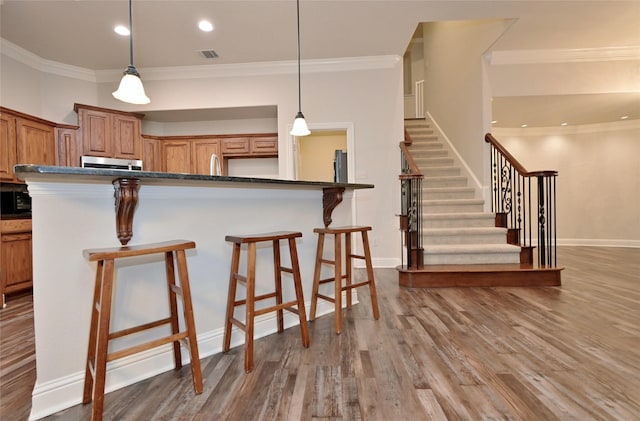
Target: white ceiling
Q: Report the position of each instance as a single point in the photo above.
(80, 33)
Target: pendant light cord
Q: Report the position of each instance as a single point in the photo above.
(299, 90)
(130, 32)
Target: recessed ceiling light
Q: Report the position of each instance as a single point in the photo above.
(121, 30)
(564, 124)
(523, 126)
(624, 117)
(494, 121)
(205, 26)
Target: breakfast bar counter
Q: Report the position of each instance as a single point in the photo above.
(79, 208)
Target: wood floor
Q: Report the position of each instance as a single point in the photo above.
(552, 353)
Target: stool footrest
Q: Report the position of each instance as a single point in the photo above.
(358, 256)
(147, 345)
(238, 323)
(284, 269)
(276, 308)
(139, 328)
(360, 284)
(327, 261)
(327, 298)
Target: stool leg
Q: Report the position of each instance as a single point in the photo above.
(297, 281)
(173, 307)
(348, 266)
(187, 306)
(93, 335)
(102, 341)
(316, 276)
(231, 297)
(372, 282)
(277, 276)
(337, 241)
(251, 290)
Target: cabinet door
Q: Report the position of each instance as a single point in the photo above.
(235, 146)
(151, 155)
(7, 146)
(16, 262)
(68, 147)
(126, 137)
(35, 143)
(176, 156)
(201, 153)
(96, 133)
(264, 146)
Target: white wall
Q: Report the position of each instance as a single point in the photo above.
(598, 185)
(369, 99)
(453, 77)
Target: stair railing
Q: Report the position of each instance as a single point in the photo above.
(411, 207)
(514, 195)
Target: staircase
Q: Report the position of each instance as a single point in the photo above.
(461, 242)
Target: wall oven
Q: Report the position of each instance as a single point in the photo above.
(101, 162)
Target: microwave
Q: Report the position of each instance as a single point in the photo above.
(99, 162)
(15, 200)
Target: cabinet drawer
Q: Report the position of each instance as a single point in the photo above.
(264, 146)
(235, 146)
(15, 225)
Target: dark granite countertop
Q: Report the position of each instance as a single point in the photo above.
(100, 176)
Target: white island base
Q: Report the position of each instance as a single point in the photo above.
(72, 214)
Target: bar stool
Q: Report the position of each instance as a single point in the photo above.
(100, 335)
(249, 281)
(338, 276)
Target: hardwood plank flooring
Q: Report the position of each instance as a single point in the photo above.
(549, 353)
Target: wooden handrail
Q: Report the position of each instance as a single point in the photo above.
(412, 164)
(514, 162)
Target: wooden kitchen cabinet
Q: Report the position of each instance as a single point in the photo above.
(183, 154)
(264, 146)
(110, 133)
(201, 151)
(24, 139)
(7, 146)
(176, 156)
(16, 268)
(36, 142)
(68, 146)
(151, 153)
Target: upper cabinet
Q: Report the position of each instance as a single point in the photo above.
(109, 133)
(24, 140)
(7, 146)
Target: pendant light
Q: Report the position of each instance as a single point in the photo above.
(131, 89)
(299, 125)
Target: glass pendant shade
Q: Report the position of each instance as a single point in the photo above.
(300, 126)
(131, 89)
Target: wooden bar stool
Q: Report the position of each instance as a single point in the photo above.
(338, 275)
(295, 306)
(99, 335)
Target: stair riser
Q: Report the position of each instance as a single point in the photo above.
(424, 162)
(438, 240)
(465, 208)
(430, 195)
(466, 259)
(428, 153)
(458, 223)
(446, 182)
(441, 172)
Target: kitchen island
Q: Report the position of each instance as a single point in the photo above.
(79, 208)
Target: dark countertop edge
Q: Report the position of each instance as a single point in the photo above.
(69, 174)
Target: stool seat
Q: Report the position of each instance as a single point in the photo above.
(99, 334)
(249, 281)
(338, 275)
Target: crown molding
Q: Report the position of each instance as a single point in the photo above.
(507, 57)
(34, 61)
(201, 71)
